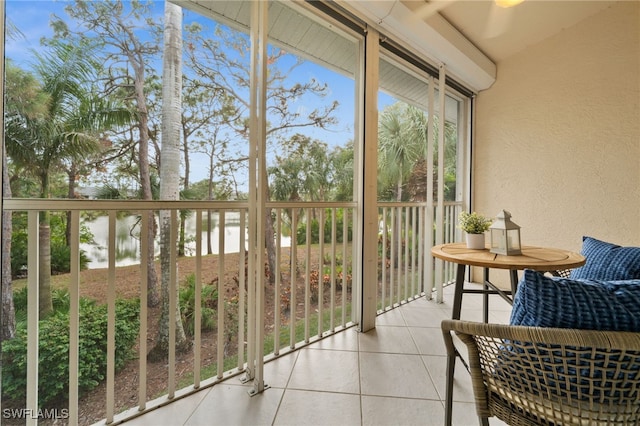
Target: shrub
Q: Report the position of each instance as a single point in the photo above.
(20, 305)
(301, 233)
(209, 302)
(61, 258)
(53, 354)
(60, 252)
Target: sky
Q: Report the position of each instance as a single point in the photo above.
(32, 20)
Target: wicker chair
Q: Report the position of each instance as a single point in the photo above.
(550, 376)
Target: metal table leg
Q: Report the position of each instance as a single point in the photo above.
(451, 357)
(485, 296)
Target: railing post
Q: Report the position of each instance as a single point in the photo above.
(74, 317)
(173, 297)
(142, 351)
(197, 333)
(221, 292)
(369, 212)
(257, 189)
(111, 318)
(33, 296)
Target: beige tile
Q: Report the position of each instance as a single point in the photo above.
(385, 411)
(471, 302)
(428, 340)
(391, 317)
(472, 315)
(437, 369)
(416, 314)
(278, 371)
(300, 407)
(172, 414)
(388, 339)
(396, 375)
(231, 405)
(393, 375)
(326, 370)
(499, 316)
(464, 414)
(346, 340)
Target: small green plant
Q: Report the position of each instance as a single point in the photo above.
(473, 223)
(209, 303)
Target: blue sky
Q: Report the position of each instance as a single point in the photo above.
(32, 19)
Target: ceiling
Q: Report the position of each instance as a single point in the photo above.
(470, 36)
(499, 32)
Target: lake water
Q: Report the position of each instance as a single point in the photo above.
(128, 243)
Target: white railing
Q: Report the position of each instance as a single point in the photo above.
(319, 254)
(407, 232)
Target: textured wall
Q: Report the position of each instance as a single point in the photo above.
(558, 135)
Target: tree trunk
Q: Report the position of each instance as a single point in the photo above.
(209, 232)
(269, 234)
(270, 245)
(44, 278)
(170, 179)
(398, 225)
(145, 184)
(182, 235)
(209, 214)
(187, 171)
(8, 314)
(71, 194)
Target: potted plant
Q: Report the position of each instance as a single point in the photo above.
(475, 225)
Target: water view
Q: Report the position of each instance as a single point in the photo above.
(128, 242)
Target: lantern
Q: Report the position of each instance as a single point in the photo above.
(505, 235)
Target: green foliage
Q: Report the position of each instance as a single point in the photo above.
(60, 251)
(109, 192)
(473, 223)
(19, 241)
(301, 234)
(20, 305)
(61, 258)
(54, 348)
(209, 301)
(402, 144)
(220, 190)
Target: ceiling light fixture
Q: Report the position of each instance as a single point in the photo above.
(508, 3)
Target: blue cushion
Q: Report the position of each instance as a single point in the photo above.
(606, 261)
(584, 304)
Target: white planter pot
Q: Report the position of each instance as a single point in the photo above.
(475, 241)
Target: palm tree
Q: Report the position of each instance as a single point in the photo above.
(67, 130)
(23, 99)
(402, 141)
(114, 24)
(342, 164)
(170, 174)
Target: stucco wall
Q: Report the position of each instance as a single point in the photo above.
(558, 135)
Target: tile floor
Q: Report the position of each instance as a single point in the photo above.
(392, 375)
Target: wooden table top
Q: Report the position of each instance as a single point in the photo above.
(537, 258)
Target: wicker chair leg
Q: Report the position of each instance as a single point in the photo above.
(484, 421)
(448, 409)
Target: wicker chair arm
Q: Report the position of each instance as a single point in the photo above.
(547, 335)
(533, 375)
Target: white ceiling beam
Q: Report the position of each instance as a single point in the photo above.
(432, 37)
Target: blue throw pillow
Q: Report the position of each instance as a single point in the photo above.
(606, 261)
(543, 301)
